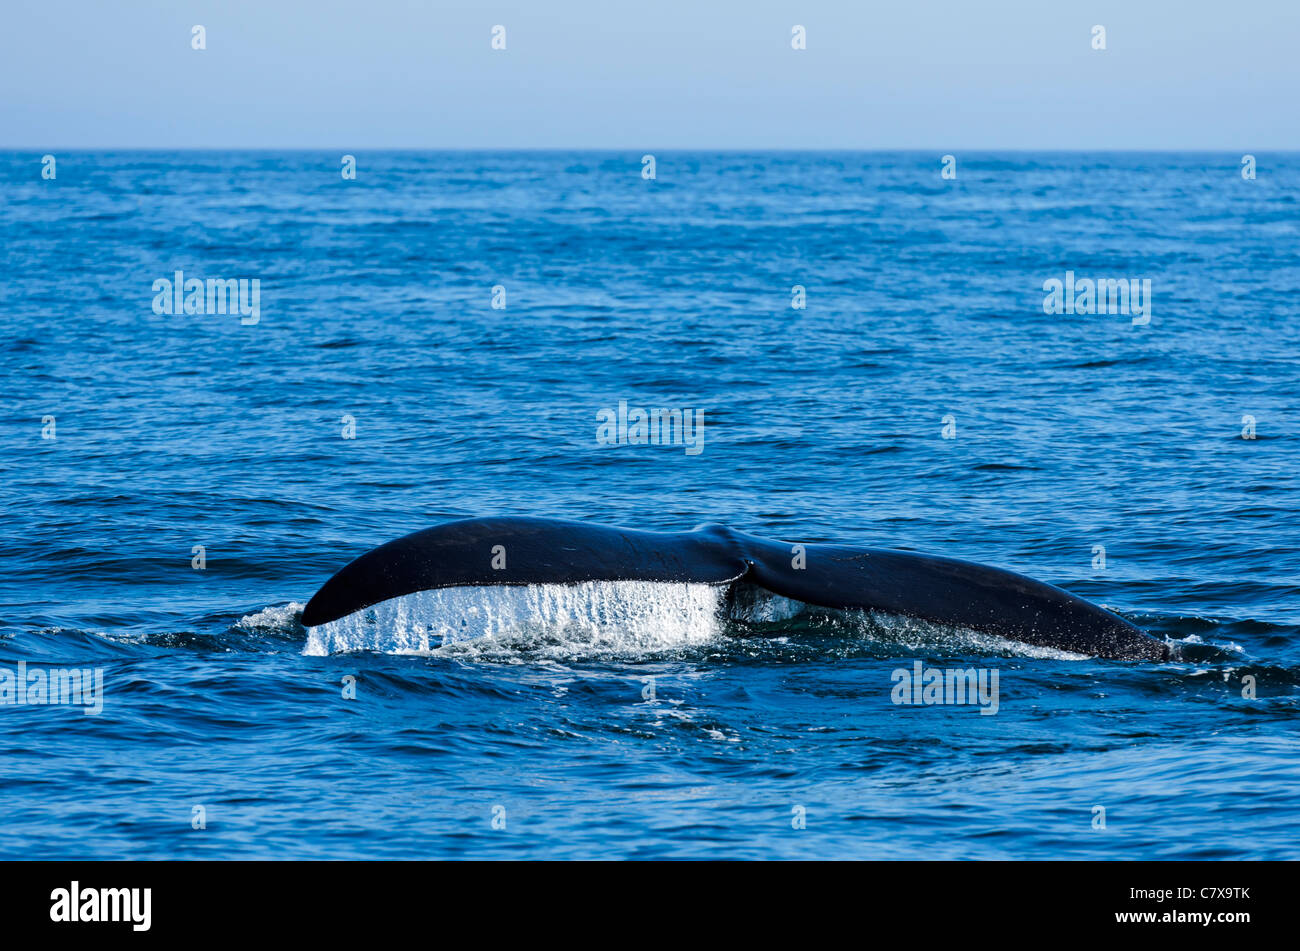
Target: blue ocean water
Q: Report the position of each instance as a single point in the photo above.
(654, 731)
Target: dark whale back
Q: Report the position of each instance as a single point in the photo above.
(527, 551)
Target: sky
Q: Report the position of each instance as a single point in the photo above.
(655, 74)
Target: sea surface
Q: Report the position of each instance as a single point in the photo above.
(380, 392)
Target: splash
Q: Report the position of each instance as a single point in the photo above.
(893, 631)
(619, 620)
(602, 618)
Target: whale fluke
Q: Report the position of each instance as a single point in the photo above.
(530, 551)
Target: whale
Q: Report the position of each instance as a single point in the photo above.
(516, 550)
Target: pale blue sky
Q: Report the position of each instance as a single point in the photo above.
(941, 74)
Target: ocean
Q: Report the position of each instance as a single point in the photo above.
(872, 354)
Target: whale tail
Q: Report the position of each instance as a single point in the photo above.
(532, 551)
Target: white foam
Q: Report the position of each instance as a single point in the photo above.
(591, 618)
(282, 617)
